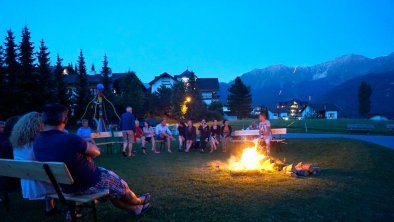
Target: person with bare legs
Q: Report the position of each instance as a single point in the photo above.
(226, 135)
(52, 144)
(149, 135)
(215, 136)
(265, 133)
(127, 126)
(190, 135)
(164, 133)
(181, 136)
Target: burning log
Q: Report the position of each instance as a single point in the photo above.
(301, 169)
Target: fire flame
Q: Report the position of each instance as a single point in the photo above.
(250, 160)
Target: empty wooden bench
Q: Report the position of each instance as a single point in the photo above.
(54, 173)
(364, 128)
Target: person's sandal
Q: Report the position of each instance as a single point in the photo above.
(147, 198)
(145, 209)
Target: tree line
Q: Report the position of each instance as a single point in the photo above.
(28, 81)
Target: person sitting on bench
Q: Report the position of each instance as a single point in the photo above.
(164, 133)
(25, 131)
(149, 134)
(139, 136)
(85, 131)
(53, 145)
(190, 135)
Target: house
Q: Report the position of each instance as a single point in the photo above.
(292, 108)
(322, 111)
(164, 79)
(227, 115)
(258, 109)
(208, 87)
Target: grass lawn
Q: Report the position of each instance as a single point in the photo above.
(318, 125)
(356, 184)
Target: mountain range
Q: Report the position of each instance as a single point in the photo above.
(335, 81)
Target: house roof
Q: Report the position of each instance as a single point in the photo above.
(92, 79)
(186, 74)
(163, 75)
(208, 84)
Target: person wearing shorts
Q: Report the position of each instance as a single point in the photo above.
(127, 126)
(149, 134)
(52, 144)
(164, 133)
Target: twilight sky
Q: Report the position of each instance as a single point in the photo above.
(213, 38)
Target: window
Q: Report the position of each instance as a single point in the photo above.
(206, 95)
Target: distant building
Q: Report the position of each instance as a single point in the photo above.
(164, 79)
(258, 109)
(208, 87)
(321, 111)
(290, 109)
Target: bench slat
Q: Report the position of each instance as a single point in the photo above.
(34, 170)
(82, 198)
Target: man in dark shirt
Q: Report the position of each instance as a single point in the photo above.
(54, 145)
(127, 126)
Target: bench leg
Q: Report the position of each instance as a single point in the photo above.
(71, 215)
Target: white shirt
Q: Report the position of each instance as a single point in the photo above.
(160, 129)
(265, 128)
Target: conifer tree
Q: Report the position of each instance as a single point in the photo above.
(82, 91)
(239, 99)
(105, 79)
(45, 78)
(364, 99)
(61, 92)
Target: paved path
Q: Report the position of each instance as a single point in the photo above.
(387, 141)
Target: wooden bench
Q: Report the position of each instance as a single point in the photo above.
(107, 138)
(390, 128)
(251, 135)
(365, 128)
(55, 173)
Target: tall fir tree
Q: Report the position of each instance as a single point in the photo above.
(177, 99)
(364, 99)
(45, 79)
(239, 99)
(196, 108)
(131, 94)
(83, 95)
(105, 78)
(28, 81)
(61, 91)
(2, 78)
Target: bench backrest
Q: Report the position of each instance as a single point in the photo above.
(101, 135)
(34, 170)
(279, 131)
(117, 134)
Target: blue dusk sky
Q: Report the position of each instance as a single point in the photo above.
(213, 38)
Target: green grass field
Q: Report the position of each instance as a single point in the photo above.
(356, 184)
(319, 125)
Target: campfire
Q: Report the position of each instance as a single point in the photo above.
(253, 161)
(250, 161)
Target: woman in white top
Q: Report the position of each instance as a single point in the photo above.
(22, 137)
(149, 135)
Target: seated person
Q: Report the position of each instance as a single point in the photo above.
(181, 136)
(22, 136)
(149, 135)
(190, 135)
(164, 133)
(139, 136)
(204, 135)
(52, 144)
(252, 126)
(85, 131)
(215, 135)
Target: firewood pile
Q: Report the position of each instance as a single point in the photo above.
(301, 169)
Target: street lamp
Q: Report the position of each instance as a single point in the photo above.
(188, 99)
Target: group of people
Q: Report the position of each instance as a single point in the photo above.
(42, 137)
(189, 136)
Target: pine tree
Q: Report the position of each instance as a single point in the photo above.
(61, 91)
(196, 107)
(105, 79)
(131, 94)
(11, 99)
(44, 70)
(2, 78)
(239, 99)
(92, 68)
(177, 99)
(364, 99)
(82, 90)
(28, 81)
